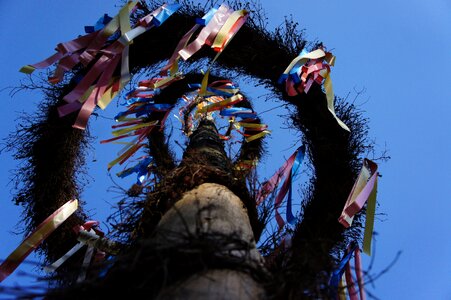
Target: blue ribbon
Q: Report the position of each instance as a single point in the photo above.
(207, 17)
(101, 22)
(140, 168)
(137, 100)
(282, 78)
(194, 85)
(221, 93)
(151, 107)
(294, 172)
(293, 72)
(165, 13)
(241, 112)
(337, 274)
(294, 75)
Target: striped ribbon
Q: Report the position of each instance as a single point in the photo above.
(363, 191)
(32, 241)
(309, 68)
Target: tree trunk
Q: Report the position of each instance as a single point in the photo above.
(212, 222)
(212, 216)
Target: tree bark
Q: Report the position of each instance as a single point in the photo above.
(212, 216)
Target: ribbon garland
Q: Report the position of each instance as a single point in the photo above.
(142, 107)
(363, 191)
(218, 33)
(34, 239)
(214, 97)
(84, 50)
(289, 170)
(345, 268)
(140, 103)
(309, 68)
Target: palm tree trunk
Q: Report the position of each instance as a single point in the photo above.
(211, 221)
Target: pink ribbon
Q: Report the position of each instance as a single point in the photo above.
(208, 33)
(89, 105)
(272, 183)
(359, 273)
(350, 284)
(353, 207)
(179, 47)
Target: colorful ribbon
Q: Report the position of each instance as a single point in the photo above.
(139, 127)
(307, 69)
(289, 170)
(345, 268)
(99, 25)
(55, 265)
(172, 64)
(214, 94)
(208, 33)
(141, 168)
(85, 49)
(363, 191)
(33, 240)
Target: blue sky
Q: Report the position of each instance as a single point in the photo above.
(399, 51)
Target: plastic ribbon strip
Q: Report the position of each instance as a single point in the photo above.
(33, 240)
(98, 79)
(88, 235)
(214, 97)
(289, 170)
(309, 68)
(252, 129)
(218, 33)
(141, 168)
(345, 268)
(363, 191)
(172, 64)
(100, 24)
(208, 33)
(55, 265)
(141, 105)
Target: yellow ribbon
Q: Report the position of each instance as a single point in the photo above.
(369, 220)
(257, 136)
(223, 103)
(118, 20)
(223, 33)
(342, 288)
(330, 101)
(238, 125)
(37, 237)
(133, 128)
(108, 96)
(364, 175)
(27, 69)
(129, 152)
(302, 59)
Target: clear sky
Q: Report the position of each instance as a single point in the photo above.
(399, 51)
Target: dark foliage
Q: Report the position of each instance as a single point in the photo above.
(52, 156)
